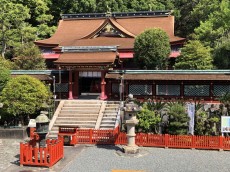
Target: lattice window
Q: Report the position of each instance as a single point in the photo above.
(63, 87)
(171, 90)
(196, 90)
(140, 89)
(219, 90)
(115, 87)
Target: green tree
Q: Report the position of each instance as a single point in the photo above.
(4, 77)
(12, 16)
(24, 95)
(222, 52)
(151, 49)
(184, 23)
(28, 57)
(5, 66)
(148, 120)
(178, 119)
(200, 122)
(194, 56)
(40, 17)
(215, 26)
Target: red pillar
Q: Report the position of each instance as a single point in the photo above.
(103, 83)
(76, 86)
(70, 85)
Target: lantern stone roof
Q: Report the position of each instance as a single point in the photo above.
(101, 29)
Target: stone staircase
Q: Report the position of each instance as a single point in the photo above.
(110, 115)
(85, 114)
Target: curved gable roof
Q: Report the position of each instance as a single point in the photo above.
(69, 31)
(81, 31)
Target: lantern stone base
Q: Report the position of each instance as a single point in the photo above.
(131, 149)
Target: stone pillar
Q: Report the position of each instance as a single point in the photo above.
(103, 95)
(76, 85)
(70, 85)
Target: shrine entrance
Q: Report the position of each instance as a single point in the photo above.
(89, 83)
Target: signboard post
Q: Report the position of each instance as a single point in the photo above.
(225, 124)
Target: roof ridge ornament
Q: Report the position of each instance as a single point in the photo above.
(108, 13)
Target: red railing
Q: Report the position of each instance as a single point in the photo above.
(92, 136)
(30, 154)
(178, 141)
(88, 136)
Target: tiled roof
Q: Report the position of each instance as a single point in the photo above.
(122, 43)
(170, 77)
(87, 58)
(72, 32)
(69, 31)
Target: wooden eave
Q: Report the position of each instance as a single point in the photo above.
(87, 58)
(172, 77)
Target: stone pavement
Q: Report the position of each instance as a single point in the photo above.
(9, 157)
(9, 152)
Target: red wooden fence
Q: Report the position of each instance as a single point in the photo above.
(92, 136)
(30, 154)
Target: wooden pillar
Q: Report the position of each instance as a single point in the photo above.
(70, 85)
(182, 90)
(76, 85)
(103, 95)
(154, 90)
(211, 91)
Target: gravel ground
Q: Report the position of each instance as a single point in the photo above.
(108, 158)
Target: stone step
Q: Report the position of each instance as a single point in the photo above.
(83, 102)
(109, 114)
(111, 109)
(76, 125)
(79, 112)
(82, 105)
(107, 123)
(109, 118)
(78, 115)
(112, 105)
(80, 108)
(75, 122)
(76, 118)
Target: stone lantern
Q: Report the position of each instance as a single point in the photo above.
(42, 127)
(130, 110)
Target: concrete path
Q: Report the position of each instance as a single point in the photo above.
(108, 159)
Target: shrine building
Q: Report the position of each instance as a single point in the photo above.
(92, 54)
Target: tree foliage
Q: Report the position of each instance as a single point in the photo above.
(194, 56)
(151, 49)
(24, 95)
(178, 119)
(216, 25)
(12, 17)
(222, 52)
(5, 66)
(28, 57)
(148, 119)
